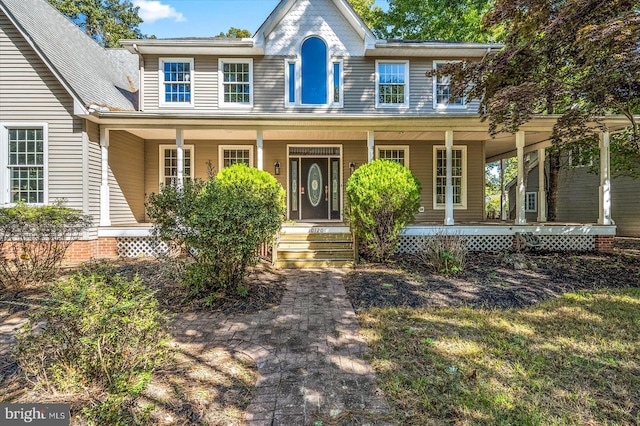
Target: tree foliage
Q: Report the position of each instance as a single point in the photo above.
(452, 20)
(234, 32)
(575, 58)
(371, 15)
(106, 21)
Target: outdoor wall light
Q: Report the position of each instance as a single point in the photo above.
(352, 168)
(276, 167)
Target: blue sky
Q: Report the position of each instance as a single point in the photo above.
(203, 18)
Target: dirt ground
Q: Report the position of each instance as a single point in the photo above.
(491, 280)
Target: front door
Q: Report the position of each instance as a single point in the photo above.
(314, 188)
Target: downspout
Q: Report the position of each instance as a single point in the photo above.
(141, 79)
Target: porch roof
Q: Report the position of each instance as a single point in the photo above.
(323, 126)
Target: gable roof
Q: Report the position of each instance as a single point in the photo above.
(343, 6)
(92, 74)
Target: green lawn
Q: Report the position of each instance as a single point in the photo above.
(568, 361)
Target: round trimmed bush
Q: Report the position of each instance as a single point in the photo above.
(382, 197)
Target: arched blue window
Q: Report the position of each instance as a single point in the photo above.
(314, 71)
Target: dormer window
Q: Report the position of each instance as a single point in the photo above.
(176, 77)
(313, 79)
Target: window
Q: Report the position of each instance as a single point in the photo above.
(531, 202)
(442, 91)
(169, 163)
(392, 83)
(458, 176)
(176, 77)
(313, 79)
(240, 154)
(236, 82)
(24, 157)
(394, 153)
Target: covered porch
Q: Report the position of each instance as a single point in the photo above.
(453, 200)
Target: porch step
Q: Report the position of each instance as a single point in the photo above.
(315, 247)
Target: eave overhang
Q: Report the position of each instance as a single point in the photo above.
(435, 49)
(210, 46)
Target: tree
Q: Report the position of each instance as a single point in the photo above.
(576, 58)
(235, 33)
(106, 21)
(370, 14)
(452, 20)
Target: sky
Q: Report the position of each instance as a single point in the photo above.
(203, 18)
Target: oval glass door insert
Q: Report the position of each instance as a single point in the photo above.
(314, 185)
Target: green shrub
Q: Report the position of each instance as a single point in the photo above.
(220, 224)
(98, 335)
(382, 197)
(34, 240)
(446, 254)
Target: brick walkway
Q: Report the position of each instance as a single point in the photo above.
(308, 353)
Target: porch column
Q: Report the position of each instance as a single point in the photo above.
(521, 218)
(448, 209)
(259, 146)
(105, 219)
(503, 195)
(542, 194)
(371, 143)
(604, 217)
(180, 158)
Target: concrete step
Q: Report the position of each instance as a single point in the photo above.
(327, 254)
(315, 263)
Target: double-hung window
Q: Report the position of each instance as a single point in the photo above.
(442, 90)
(236, 82)
(176, 82)
(392, 84)
(580, 157)
(235, 154)
(398, 153)
(169, 164)
(458, 176)
(24, 151)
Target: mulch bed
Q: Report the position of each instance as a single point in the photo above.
(489, 280)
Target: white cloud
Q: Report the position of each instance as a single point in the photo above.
(153, 10)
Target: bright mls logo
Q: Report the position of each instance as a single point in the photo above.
(42, 414)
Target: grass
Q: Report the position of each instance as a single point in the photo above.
(568, 361)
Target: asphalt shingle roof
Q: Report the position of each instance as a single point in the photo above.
(105, 77)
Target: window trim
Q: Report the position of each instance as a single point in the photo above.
(234, 105)
(161, 88)
(407, 93)
(405, 148)
(465, 171)
(5, 178)
(571, 155)
(535, 201)
(222, 148)
(439, 106)
(161, 148)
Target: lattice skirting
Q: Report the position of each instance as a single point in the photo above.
(411, 243)
(140, 247)
(147, 246)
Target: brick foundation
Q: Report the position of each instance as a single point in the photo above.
(604, 243)
(101, 248)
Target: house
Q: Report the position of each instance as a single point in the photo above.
(309, 98)
(576, 203)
